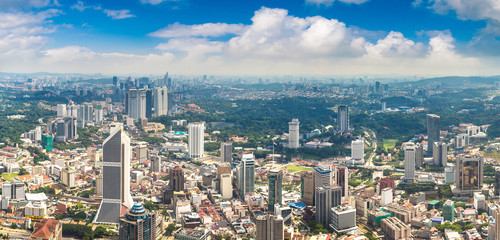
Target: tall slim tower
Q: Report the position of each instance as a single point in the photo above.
(410, 162)
(116, 176)
(293, 131)
(342, 178)
(136, 99)
(275, 178)
(433, 129)
(323, 175)
(226, 152)
(161, 101)
(246, 176)
(307, 187)
(177, 179)
(326, 198)
(343, 118)
(196, 140)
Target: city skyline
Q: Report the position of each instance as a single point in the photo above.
(307, 37)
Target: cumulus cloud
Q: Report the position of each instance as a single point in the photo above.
(153, 2)
(27, 4)
(274, 43)
(330, 2)
(80, 6)
(200, 30)
(118, 14)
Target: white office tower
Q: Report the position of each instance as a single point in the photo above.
(226, 186)
(136, 103)
(358, 151)
(160, 96)
(99, 115)
(196, 140)
(293, 133)
(116, 176)
(246, 175)
(226, 152)
(61, 110)
(72, 110)
(386, 197)
(384, 106)
(479, 201)
(440, 154)
(343, 118)
(409, 162)
(461, 140)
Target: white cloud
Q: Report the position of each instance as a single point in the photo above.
(152, 2)
(118, 14)
(468, 9)
(200, 30)
(27, 4)
(274, 43)
(80, 6)
(330, 2)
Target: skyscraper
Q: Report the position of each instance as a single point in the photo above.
(307, 187)
(342, 178)
(99, 116)
(433, 129)
(440, 154)
(116, 176)
(13, 190)
(177, 179)
(61, 110)
(469, 170)
(409, 162)
(246, 176)
(343, 118)
(419, 155)
(358, 151)
(161, 101)
(323, 175)
(196, 140)
(66, 129)
(275, 178)
(139, 223)
(293, 133)
(226, 186)
(497, 183)
(449, 210)
(325, 198)
(149, 103)
(226, 152)
(269, 227)
(136, 103)
(155, 163)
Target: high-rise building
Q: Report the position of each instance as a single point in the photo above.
(386, 197)
(170, 100)
(246, 175)
(461, 140)
(433, 130)
(469, 170)
(497, 223)
(343, 118)
(449, 210)
(384, 106)
(409, 162)
(196, 140)
(269, 227)
(155, 163)
(419, 155)
(325, 198)
(323, 175)
(149, 103)
(116, 176)
(61, 110)
(99, 185)
(66, 129)
(85, 114)
(160, 97)
(226, 186)
(386, 182)
(136, 103)
(343, 218)
(293, 133)
(139, 223)
(440, 154)
(13, 190)
(226, 152)
(99, 114)
(341, 179)
(275, 178)
(358, 151)
(68, 177)
(47, 142)
(115, 81)
(177, 179)
(307, 187)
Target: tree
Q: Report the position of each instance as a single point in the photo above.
(387, 172)
(22, 171)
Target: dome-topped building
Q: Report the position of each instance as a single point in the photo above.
(140, 223)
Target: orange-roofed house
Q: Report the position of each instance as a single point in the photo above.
(48, 229)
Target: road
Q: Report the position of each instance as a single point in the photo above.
(373, 140)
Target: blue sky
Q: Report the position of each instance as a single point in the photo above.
(324, 37)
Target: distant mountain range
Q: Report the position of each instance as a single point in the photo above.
(450, 82)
